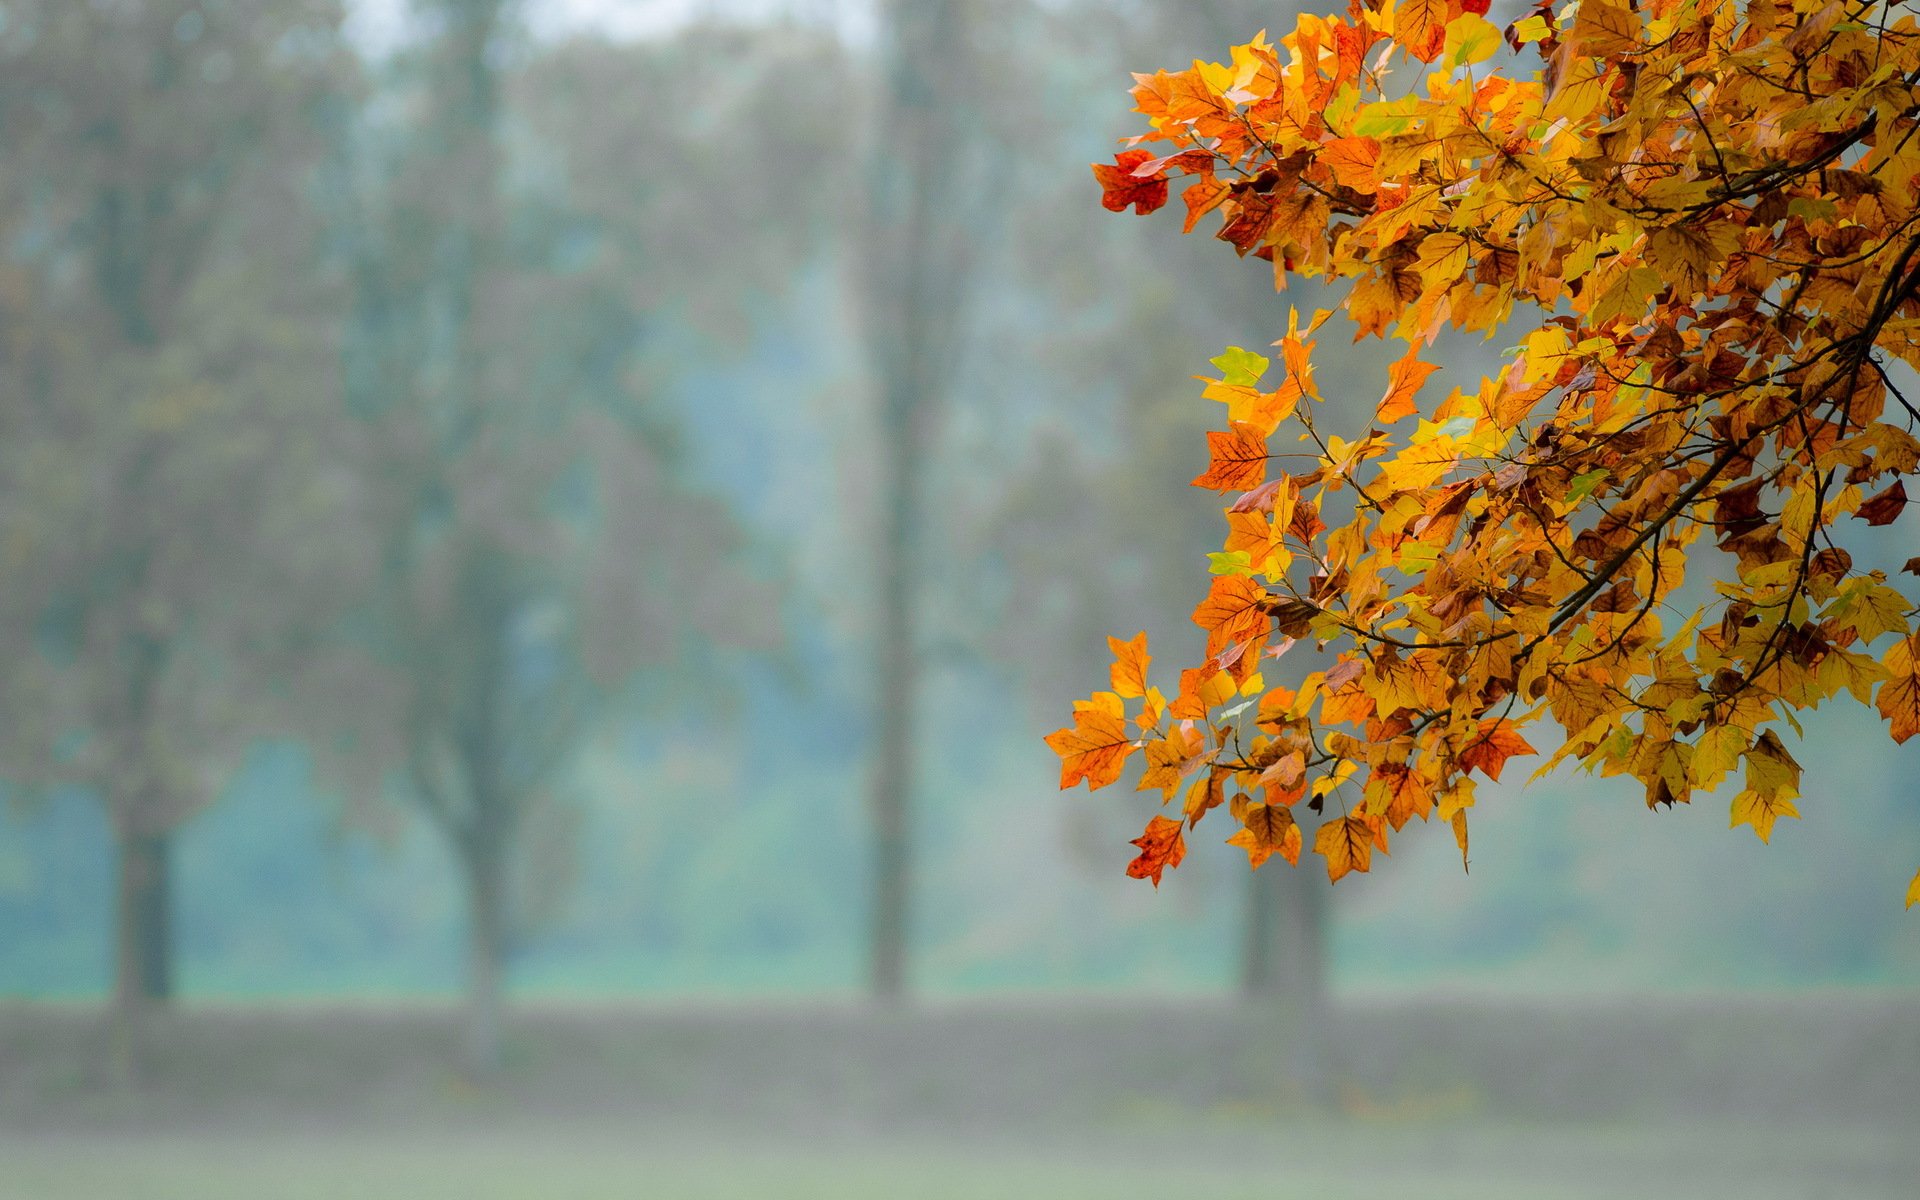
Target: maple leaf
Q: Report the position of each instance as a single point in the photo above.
(1161, 846)
(1408, 374)
(1233, 610)
(1095, 748)
(1268, 830)
(1347, 845)
(1885, 508)
(1899, 696)
(1239, 460)
(1130, 661)
(1492, 746)
(1120, 187)
(1760, 811)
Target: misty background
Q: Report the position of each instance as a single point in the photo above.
(525, 513)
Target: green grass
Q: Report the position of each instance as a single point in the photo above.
(1331, 1162)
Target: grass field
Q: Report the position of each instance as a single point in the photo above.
(1809, 1097)
(1333, 1162)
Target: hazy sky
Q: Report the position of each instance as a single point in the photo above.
(377, 21)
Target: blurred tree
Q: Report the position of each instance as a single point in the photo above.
(512, 253)
(916, 252)
(1093, 534)
(164, 363)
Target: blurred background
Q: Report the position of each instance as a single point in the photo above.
(540, 539)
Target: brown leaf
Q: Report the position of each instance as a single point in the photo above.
(1884, 508)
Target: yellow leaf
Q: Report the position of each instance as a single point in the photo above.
(1129, 670)
(1470, 39)
(1760, 811)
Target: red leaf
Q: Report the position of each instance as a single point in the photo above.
(1120, 188)
(1161, 846)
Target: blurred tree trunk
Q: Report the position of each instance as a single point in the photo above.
(143, 961)
(149, 910)
(1283, 973)
(486, 957)
(915, 282)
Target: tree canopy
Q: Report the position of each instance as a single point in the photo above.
(1694, 223)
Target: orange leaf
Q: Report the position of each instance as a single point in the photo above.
(1405, 379)
(1202, 197)
(1201, 688)
(1171, 760)
(1268, 831)
(1347, 844)
(1493, 746)
(1120, 188)
(1354, 161)
(1239, 460)
(1421, 27)
(1094, 749)
(1231, 612)
(1161, 846)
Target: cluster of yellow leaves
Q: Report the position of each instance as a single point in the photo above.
(1708, 213)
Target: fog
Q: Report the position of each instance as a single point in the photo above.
(542, 540)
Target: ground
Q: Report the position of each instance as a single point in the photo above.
(1430, 1098)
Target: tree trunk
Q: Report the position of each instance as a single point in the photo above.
(897, 688)
(1283, 978)
(486, 961)
(143, 945)
(918, 246)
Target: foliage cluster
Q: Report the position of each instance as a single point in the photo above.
(1699, 219)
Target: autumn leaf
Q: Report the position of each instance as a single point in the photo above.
(1760, 811)
(1347, 844)
(1130, 661)
(1268, 830)
(1161, 846)
(1421, 26)
(1354, 161)
(1884, 508)
(1095, 748)
(1201, 197)
(1407, 375)
(1490, 748)
(1899, 696)
(1120, 188)
(1232, 611)
(1239, 460)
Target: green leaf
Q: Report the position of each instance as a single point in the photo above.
(1230, 562)
(1584, 483)
(1240, 368)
